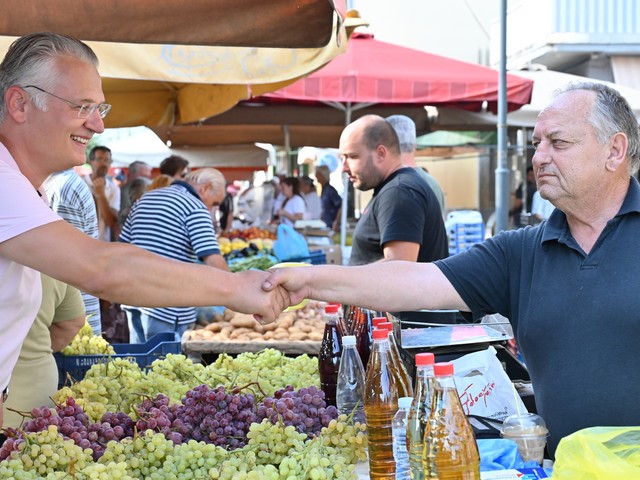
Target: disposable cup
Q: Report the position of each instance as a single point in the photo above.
(530, 434)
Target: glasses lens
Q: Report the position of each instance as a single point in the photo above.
(88, 108)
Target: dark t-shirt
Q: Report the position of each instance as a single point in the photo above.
(330, 201)
(403, 208)
(576, 317)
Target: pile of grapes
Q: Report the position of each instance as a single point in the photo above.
(121, 422)
(213, 433)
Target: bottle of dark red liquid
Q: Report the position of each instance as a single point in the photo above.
(330, 353)
(362, 329)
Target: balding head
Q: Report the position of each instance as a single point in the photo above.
(370, 151)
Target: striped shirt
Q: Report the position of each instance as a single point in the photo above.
(172, 222)
(71, 198)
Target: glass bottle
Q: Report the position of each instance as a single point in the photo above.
(450, 448)
(351, 377)
(405, 388)
(380, 405)
(329, 356)
(419, 413)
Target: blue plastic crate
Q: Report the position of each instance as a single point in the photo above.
(315, 257)
(76, 366)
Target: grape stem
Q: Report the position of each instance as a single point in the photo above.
(236, 390)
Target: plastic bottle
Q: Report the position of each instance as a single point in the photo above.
(329, 356)
(419, 413)
(405, 388)
(400, 453)
(450, 448)
(362, 329)
(380, 405)
(337, 308)
(351, 376)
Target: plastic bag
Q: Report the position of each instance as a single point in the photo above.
(290, 244)
(501, 454)
(484, 387)
(599, 453)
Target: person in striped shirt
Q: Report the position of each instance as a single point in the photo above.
(175, 222)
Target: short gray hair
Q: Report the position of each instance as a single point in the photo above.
(611, 114)
(30, 60)
(208, 175)
(406, 130)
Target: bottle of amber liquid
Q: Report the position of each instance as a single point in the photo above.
(450, 448)
(380, 406)
(405, 388)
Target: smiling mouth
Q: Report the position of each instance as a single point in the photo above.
(78, 139)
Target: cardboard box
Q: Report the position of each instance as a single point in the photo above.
(515, 474)
(332, 252)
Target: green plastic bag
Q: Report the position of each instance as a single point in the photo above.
(599, 453)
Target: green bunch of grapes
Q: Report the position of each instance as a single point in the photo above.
(144, 455)
(349, 438)
(87, 343)
(42, 453)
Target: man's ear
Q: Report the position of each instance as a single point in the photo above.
(16, 102)
(618, 146)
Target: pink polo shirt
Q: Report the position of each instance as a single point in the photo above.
(21, 209)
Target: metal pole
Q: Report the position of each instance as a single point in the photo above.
(345, 192)
(502, 171)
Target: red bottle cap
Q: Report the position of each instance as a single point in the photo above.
(375, 321)
(423, 359)
(338, 304)
(380, 334)
(387, 325)
(332, 308)
(443, 369)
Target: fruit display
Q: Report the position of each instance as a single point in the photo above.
(171, 423)
(304, 325)
(245, 243)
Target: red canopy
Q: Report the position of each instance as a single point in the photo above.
(376, 72)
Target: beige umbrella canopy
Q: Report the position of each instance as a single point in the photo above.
(165, 62)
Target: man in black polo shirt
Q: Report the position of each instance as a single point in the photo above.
(403, 220)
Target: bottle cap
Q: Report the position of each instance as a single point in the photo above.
(405, 402)
(423, 359)
(375, 321)
(348, 340)
(387, 325)
(338, 304)
(331, 308)
(443, 369)
(380, 334)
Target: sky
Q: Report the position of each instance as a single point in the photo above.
(454, 28)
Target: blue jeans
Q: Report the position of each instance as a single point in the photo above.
(142, 326)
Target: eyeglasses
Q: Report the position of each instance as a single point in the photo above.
(85, 109)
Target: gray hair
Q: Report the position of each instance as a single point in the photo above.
(406, 130)
(611, 114)
(208, 175)
(30, 60)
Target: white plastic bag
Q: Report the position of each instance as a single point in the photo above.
(484, 387)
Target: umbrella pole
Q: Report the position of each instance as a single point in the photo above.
(345, 191)
(502, 172)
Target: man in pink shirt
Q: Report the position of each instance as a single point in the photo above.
(51, 104)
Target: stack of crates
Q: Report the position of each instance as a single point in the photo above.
(465, 228)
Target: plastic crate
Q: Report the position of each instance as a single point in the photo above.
(315, 257)
(143, 353)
